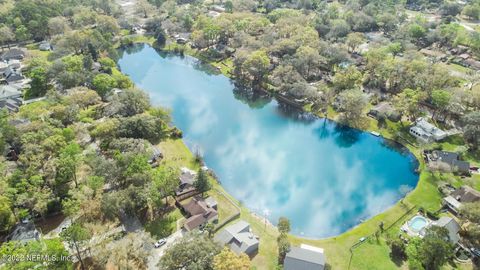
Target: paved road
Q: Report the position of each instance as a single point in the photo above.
(158, 252)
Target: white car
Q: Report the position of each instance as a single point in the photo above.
(160, 243)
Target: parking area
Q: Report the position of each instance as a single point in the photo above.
(158, 252)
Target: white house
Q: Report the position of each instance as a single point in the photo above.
(426, 132)
(304, 257)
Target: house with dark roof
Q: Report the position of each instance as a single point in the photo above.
(464, 194)
(199, 213)
(45, 46)
(452, 159)
(186, 179)
(12, 75)
(304, 257)
(24, 232)
(239, 238)
(10, 98)
(14, 53)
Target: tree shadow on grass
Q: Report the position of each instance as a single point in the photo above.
(162, 226)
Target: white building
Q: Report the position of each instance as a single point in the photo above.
(426, 132)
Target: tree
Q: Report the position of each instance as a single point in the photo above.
(227, 260)
(7, 219)
(306, 59)
(50, 248)
(103, 83)
(471, 128)
(57, 26)
(440, 99)
(257, 65)
(435, 249)
(397, 247)
(193, 251)
(283, 247)
(416, 31)
(130, 252)
(471, 211)
(352, 103)
(22, 34)
(339, 28)
(142, 126)
(472, 11)
(165, 182)
(347, 78)
(39, 83)
(67, 164)
(6, 35)
(450, 9)
(283, 225)
(75, 235)
(201, 183)
(132, 102)
(354, 40)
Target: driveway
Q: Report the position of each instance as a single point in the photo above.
(157, 253)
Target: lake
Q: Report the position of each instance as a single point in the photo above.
(276, 160)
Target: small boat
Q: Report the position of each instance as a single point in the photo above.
(374, 133)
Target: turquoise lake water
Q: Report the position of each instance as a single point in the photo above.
(277, 161)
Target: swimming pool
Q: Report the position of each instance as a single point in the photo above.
(417, 223)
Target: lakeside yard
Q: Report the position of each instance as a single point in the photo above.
(372, 252)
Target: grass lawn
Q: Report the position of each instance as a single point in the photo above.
(164, 226)
(369, 254)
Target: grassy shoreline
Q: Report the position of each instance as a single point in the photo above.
(374, 252)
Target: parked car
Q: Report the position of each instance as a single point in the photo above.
(160, 243)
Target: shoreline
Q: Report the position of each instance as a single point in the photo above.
(411, 152)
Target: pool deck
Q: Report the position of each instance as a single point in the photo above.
(408, 230)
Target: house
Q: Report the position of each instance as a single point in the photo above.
(24, 232)
(464, 194)
(304, 257)
(14, 53)
(182, 38)
(239, 238)
(426, 132)
(186, 179)
(45, 46)
(12, 75)
(452, 159)
(10, 98)
(384, 109)
(199, 214)
(452, 227)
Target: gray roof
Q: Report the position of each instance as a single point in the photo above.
(7, 92)
(13, 54)
(238, 236)
(304, 259)
(452, 159)
(466, 194)
(451, 225)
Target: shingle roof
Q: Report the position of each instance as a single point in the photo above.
(451, 225)
(238, 236)
(305, 259)
(12, 54)
(466, 194)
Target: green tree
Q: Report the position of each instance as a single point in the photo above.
(75, 235)
(103, 83)
(471, 128)
(227, 260)
(440, 99)
(257, 65)
(347, 78)
(283, 225)
(7, 219)
(472, 11)
(39, 83)
(435, 249)
(201, 183)
(45, 247)
(354, 40)
(6, 35)
(193, 251)
(22, 34)
(416, 31)
(283, 247)
(352, 105)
